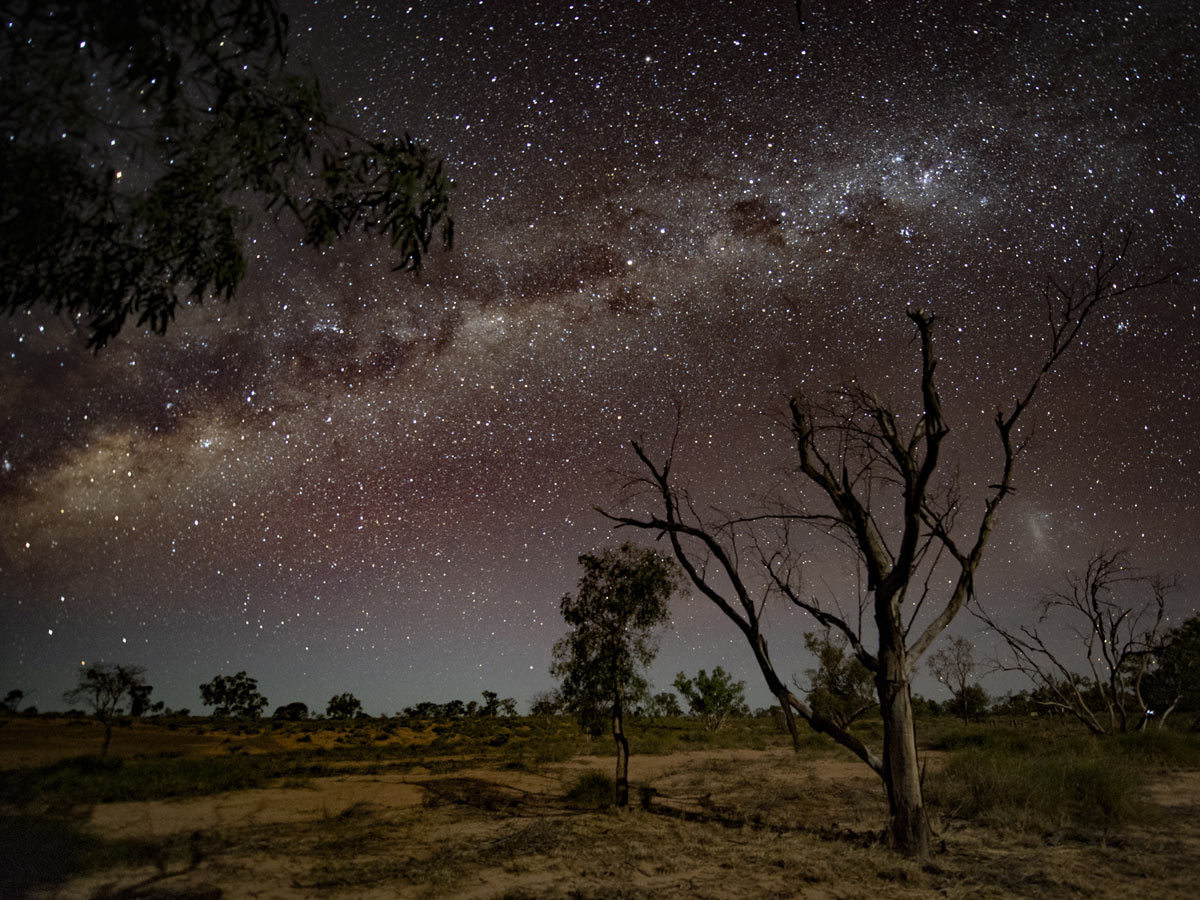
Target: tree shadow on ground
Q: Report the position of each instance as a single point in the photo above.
(490, 796)
(42, 852)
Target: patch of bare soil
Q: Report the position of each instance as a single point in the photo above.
(724, 825)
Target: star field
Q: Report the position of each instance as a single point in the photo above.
(351, 479)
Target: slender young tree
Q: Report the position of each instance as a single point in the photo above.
(883, 492)
(840, 688)
(104, 688)
(714, 698)
(619, 605)
(953, 665)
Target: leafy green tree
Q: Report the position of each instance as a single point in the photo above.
(139, 700)
(1174, 682)
(621, 601)
(104, 687)
(136, 138)
(663, 705)
(546, 703)
(291, 712)
(714, 698)
(840, 687)
(491, 704)
(970, 702)
(12, 701)
(426, 709)
(1019, 703)
(343, 706)
(923, 706)
(236, 696)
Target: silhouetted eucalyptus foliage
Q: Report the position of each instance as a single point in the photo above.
(236, 696)
(714, 698)
(137, 135)
(343, 706)
(620, 604)
(840, 687)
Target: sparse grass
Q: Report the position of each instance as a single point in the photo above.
(363, 849)
(556, 751)
(949, 734)
(1080, 785)
(660, 737)
(1164, 749)
(97, 779)
(750, 825)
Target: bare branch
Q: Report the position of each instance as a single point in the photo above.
(1118, 638)
(885, 495)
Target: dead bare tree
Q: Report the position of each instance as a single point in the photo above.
(1118, 636)
(888, 499)
(953, 665)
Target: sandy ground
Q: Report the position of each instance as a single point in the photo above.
(715, 824)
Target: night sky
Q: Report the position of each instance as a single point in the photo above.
(354, 479)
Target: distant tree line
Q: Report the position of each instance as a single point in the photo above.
(492, 705)
(1151, 674)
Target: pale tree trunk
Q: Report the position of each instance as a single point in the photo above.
(763, 658)
(849, 448)
(1162, 720)
(618, 730)
(962, 704)
(789, 719)
(908, 825)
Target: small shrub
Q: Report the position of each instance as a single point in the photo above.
(547, 751)
(1165, 749)
(592, 790)
(104, 779)
(960, 737)
(1080, 786)
(656, 743)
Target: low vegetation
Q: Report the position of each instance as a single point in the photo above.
(522, 803)
(1057, 782)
